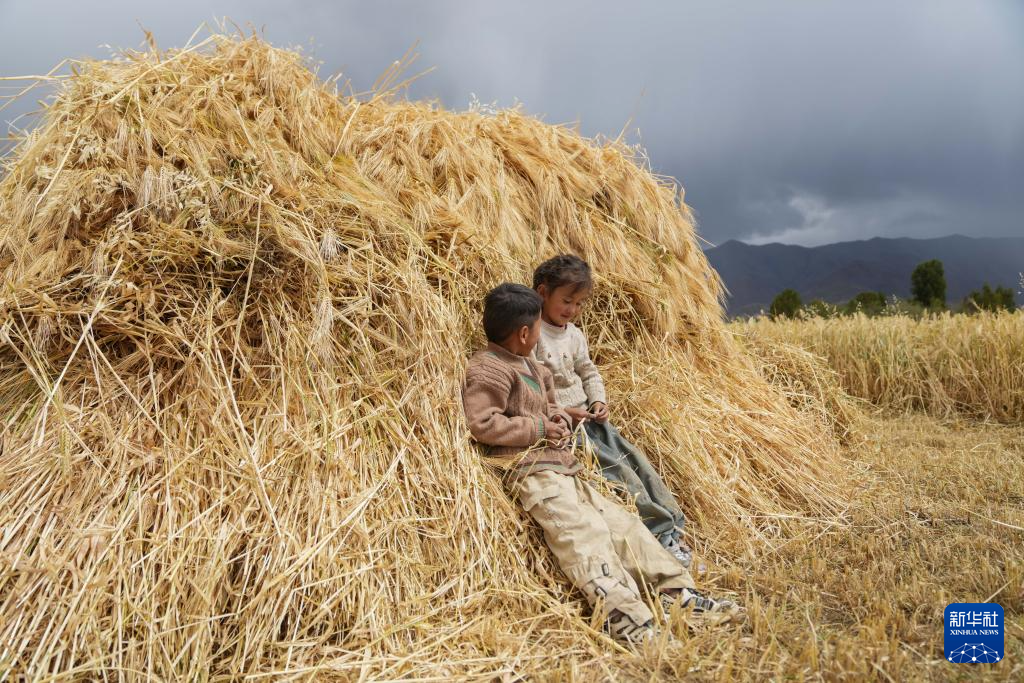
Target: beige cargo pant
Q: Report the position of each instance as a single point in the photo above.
(604, 550)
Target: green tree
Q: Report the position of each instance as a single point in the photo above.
(1004, 295)
(819, 308)
(868, 303)
(905, 307)
(988, 299)
(786, 304)
(928, 284)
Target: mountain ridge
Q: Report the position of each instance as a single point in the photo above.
(836, 272)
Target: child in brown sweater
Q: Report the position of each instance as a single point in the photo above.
(603, 549)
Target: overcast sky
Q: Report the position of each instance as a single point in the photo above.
(798, 122)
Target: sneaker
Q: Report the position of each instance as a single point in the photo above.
(623, 628)
(701, 609)
(681, 552)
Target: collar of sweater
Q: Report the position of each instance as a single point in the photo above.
(505, 355)
(556, 331)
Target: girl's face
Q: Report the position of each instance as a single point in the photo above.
(562, 304)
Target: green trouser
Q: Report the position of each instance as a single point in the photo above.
(623, 462)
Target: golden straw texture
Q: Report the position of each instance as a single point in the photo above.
(234, 314)
(946, 365)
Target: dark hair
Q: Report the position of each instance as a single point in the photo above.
(564, 269)
(509, 307)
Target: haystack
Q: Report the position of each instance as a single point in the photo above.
(234, 313)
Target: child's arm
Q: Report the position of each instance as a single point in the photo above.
(554, 410)
(484, 399)
(593, 385)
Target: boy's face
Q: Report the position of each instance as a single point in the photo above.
(562, 304)
(522, 341)
(533, 337)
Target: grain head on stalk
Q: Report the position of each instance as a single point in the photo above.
(234, 311)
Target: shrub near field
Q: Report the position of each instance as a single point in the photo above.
(943, 364)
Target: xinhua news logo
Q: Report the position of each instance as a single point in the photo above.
(974, 633)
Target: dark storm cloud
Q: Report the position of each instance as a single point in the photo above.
(797, 122)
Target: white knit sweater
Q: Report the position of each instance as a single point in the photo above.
(564, 351)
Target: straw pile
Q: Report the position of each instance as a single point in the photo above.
(234, 313)
(807, 381)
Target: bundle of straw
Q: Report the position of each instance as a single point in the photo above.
(234, 313)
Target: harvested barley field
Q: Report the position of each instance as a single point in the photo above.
(944, 364)
(939, 519)
(234, 314)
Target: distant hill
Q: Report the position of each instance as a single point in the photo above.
(754, 274)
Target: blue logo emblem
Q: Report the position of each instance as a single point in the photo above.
(974, 633)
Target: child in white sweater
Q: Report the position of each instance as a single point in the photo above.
(564, 283)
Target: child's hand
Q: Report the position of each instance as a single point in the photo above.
(600, 411)
(556, 431)
(578, 414)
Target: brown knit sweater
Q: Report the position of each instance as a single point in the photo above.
(511, 412)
